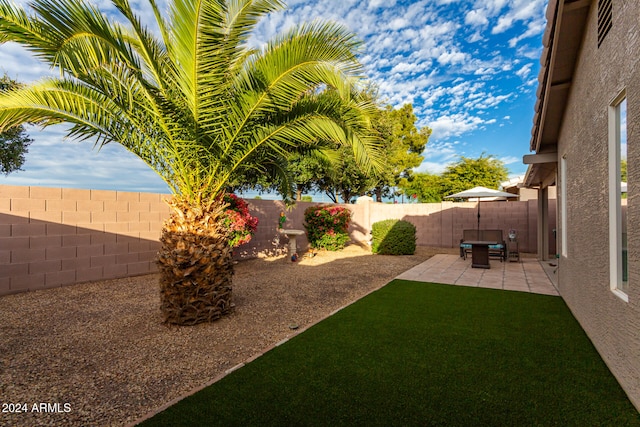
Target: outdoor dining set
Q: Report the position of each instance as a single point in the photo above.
(483, 244)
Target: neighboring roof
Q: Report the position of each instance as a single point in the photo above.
(514, 181)
(566, 20)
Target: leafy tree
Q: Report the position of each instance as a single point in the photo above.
(342, 178)
(403, 144)
(306, 171)
(13, 142)
(623, 170)
(332, 171)
(486, 171)
(345, 178)
(427, 187)
(337, 175)
(198, 105)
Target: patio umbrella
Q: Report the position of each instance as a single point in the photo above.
(479, 193)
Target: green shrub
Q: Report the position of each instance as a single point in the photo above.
(393, 237)
(333, 242)
(307, 199)
(327, 226)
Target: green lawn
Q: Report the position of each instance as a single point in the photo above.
(421, 354)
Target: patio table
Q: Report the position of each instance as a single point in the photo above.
(480, 253)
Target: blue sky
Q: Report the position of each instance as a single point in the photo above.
(469, 67)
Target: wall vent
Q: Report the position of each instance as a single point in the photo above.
(604, 19)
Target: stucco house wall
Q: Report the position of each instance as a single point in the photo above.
(600, 75)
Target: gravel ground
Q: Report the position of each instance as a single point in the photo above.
(97, 353)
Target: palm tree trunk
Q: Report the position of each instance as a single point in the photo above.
(195, 262)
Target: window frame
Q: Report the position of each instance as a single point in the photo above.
(615, 197)
(564, 251)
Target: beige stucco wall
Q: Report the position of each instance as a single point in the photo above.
(601, 74)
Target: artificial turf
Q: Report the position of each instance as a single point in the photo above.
(423, 354)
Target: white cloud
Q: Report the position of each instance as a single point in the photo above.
(21, 65)
(519, 10)
(484, 71)
(373, 4)
(437, 156)
(530, 52)
(55, 162)
(436, 31)
(432, 95)
(398, 23)
(451, 58)
(508, 160)
(492, 101)
(507, 66)
(405, 67)
(436, 167)
(418, 11)
(523, 72)
(448, 125)
(476, 18)
(534, 28)
(475, 37)
(494, 6)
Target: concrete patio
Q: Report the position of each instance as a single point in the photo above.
(527, 275)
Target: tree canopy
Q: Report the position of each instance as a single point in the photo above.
(340, 177)
(403, 145)
(14, 142)
(485, 171)
(427, 187)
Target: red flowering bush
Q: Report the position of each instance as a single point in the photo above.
(239, 220)
(327, 226)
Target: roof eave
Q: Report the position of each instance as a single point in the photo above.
(554, 81)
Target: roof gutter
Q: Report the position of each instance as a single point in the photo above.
(547, 60)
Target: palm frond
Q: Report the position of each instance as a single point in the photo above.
(197, 104)
(155, 62)
(80, 38)
(290, 68)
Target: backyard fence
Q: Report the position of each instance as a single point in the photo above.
(55, 236)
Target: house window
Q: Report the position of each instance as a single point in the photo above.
(604, 19)
(563, 206)
(617, 196)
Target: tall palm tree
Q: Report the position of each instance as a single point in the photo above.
(197, 104)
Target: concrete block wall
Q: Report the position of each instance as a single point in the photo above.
(442, 224)
(56, 236)
(52, 237)
(268, 240)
